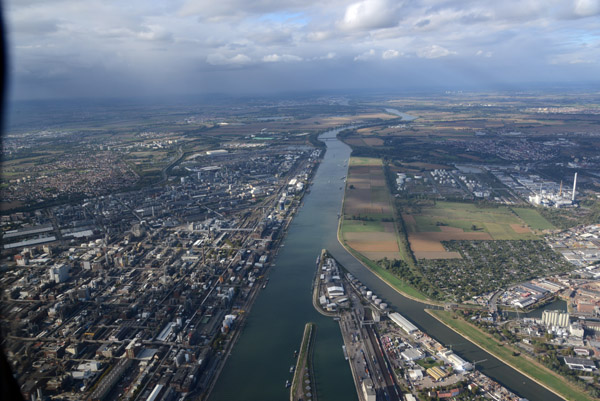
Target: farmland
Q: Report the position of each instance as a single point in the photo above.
(534, 219)
(367, 224)
(431, 224)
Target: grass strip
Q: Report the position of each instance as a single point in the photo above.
(303, 360)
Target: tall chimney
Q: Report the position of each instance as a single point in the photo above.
(574, 187)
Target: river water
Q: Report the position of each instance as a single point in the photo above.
(259, 364)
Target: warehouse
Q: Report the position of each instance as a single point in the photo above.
(458, 363)
(586, 365)
(403, 323)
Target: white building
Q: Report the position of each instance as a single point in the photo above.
(555, 318)
(576, 330)
(403, 322)
(59, 273)
(458, 363)
(368, 390)
(586, 365)
(335, 291)
(411, 354)
(415, 374)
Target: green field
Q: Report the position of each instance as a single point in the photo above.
(379, 194)
(469, 217)
(429, 363)
(533, 219)
(532, 369)
(424, 224)
(503, 231)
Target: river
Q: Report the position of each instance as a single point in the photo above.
(259, 364)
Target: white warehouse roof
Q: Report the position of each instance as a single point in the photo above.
(403, 322)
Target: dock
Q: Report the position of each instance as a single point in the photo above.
(303, 383)
(335, 294)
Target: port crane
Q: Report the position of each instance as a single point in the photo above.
(476, 362)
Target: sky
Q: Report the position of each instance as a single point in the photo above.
(114, 48)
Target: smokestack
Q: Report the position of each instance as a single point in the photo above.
(574, 187)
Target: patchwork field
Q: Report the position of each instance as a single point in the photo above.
(448, 221)
(533, 219)
(366, 191)
(367, 225)
(373, 141)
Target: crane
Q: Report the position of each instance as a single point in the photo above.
(476, 362)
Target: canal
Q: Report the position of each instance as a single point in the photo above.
(259, 364)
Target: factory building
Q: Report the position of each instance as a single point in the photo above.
(555, 318)
(437, 373)
(59, 273)
(586, 365)
(458, 363)
(335, 290)
(368, 390)
(403, 322)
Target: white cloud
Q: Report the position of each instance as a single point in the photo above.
(481, 53)
(276, 58)
(365, 56)
(220, 59)
(390, 54)
(328, 56)
(155, 33)
(370, 14)
(434, 51)
(587, 8)
(318, 36)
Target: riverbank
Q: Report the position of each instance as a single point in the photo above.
(303, 383)
(389, 278)
(532, 369)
